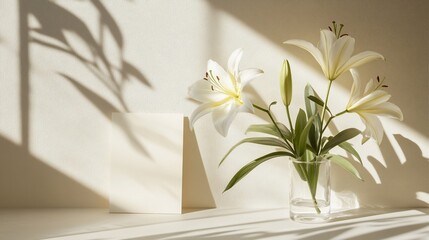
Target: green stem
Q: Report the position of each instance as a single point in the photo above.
(290, 120)
(312, 189)
(331, 118)
(260, 108)
(315, 204)
(274, 122)
(323, 116)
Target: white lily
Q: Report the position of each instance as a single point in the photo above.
(370, 102)
(334, 52)
(220, 92)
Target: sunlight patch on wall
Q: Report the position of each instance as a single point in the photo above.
(423, 196)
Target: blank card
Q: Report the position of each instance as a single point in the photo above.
(146, 163)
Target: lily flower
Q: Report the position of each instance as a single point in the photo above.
(220, 92)
(334, 52)
(369, 103)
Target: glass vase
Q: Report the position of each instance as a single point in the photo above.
(310, 190)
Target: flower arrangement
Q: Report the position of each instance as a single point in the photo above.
(303, 139)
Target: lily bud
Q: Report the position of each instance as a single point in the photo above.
(286, 83)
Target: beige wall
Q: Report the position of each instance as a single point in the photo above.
(66, 65)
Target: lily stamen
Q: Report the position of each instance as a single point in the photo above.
(339, 31)
(380, 83)
(335, 27)
(217, 85)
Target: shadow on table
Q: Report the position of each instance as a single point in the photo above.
(253, 225)
(407, 226)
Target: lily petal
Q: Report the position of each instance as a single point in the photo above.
(370, 86)
(359, 59)
(218, 71)
(202, 92)
(248, 75)
(312, 50)
(234, 61)
(356, 92)
(223, 117)
(247, 105)
(327, 39)
(370, 100)
(200, 111)
(387, 109)
(341, 51)
(374, 129)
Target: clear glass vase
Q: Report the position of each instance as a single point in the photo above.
(310, 190)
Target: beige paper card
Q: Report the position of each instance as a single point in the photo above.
(146, 163)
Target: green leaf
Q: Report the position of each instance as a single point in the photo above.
(311, 149)
(312, 111)
(339, 138)
(301, 171)
(252, 165)
(270, 129)
(300, 122)
(350, 149)
(285, 131)
(313, 136)
(286, 83)
(303, 138)
(324, 139)
(270, 141)
(310, 106)
(313, 176)
(319, 102)
(344, 163)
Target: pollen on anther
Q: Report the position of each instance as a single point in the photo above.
(212, 88)
(206, 79)
(378, 78)
(217, 77)
(384, 86)
(207, 74)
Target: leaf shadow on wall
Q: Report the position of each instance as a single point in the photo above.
(405, 179)
(53, 24)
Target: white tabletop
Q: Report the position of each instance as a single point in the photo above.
(242, 224)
